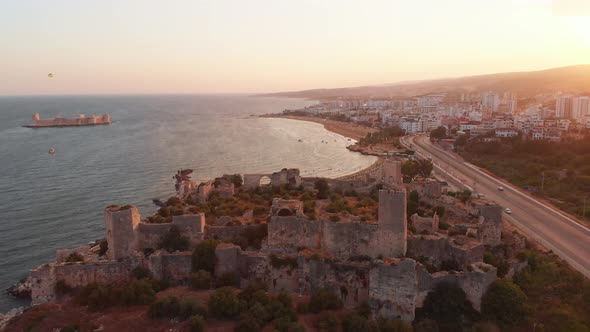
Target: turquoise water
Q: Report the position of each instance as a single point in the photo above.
(53, 201)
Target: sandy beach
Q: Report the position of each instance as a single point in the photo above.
(345, 129)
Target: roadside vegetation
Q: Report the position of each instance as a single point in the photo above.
(559, 172)
(384, 135)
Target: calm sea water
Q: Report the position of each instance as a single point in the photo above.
(54, 201)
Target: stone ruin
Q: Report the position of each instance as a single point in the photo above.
(360, 261)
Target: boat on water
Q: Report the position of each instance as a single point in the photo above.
(58, 121)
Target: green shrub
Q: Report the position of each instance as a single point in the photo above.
(141, 272)
(504, 302)
(447, 304)
(189, 308)
(103, 247)
(61, 287)
(227, 279)
(324, 299)
(279, 262)
(70, 328)
(204, 256)
(334, 218)
(223, 303)
(356, 323)
(168, 307)
(196, 324)
(74, 257)
(394, 325)
(328, 322)
(138, 292)
(201, 280)
(174, 240)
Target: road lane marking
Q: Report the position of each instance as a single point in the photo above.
(475, 168)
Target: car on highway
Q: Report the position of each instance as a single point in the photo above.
(501, 188)
(508, 211)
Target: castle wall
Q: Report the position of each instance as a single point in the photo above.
(226, 255)
(292, 232)
(393, 290)
(474, 282)
(393, 228)
(490, 228)
(174, 267)
(439, 249)
(425, 225)
(45, 277)
(347, 239)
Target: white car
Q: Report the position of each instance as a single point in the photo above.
(501, 188)
(508, 211)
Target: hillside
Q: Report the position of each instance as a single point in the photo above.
(567, 79)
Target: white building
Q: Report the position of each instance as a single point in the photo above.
(411, 126)
(490, 100)
(506, 132)
(563, 107)
(580, 107)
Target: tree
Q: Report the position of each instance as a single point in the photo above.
(196, 324)
(201, 280)
(504, 302)
(323, 188)
(174, 240)
(417, 167)
(204, 256)
(438, 133)
(223, 303)
(447, 304)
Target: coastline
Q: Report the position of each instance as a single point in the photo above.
(348, 130)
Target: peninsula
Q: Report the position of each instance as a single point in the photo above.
(58, 121)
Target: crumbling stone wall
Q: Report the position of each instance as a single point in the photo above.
(439, 249)
(292, 232)
(425, 225)
(346, 238)
(150, 235)
(474, 282)
(490, 224)
(173, 267)
(45, 277)
(393, 289)
(203, 191)
(226, 255)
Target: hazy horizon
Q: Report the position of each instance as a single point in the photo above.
(144, 47)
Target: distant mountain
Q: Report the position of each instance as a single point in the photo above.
(575, 79)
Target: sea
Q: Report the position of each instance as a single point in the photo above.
(50, 201)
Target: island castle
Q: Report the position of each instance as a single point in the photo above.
(59, 121)
(371, 255)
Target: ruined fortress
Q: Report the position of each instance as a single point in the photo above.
(379, 261)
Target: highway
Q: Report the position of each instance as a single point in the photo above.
(547, 225)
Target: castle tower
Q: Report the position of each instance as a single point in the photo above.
(393, 226)
(121, 223)
(392, 172)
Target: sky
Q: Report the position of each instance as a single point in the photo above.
(252, 46)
